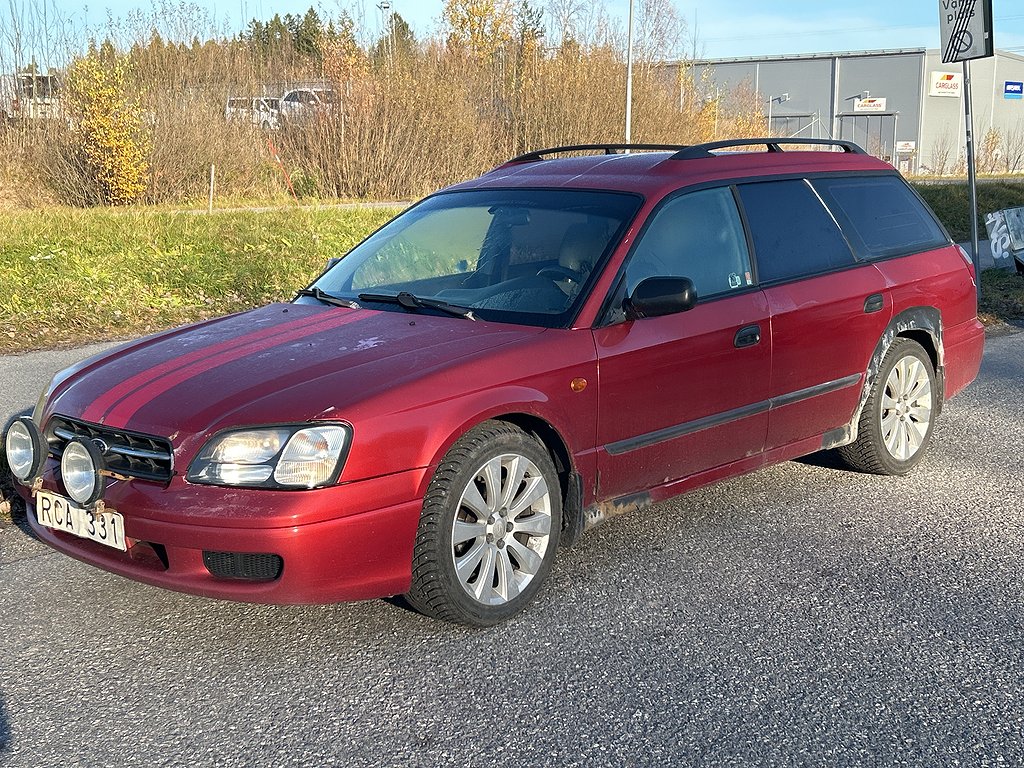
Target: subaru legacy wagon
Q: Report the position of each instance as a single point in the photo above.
(581, 332)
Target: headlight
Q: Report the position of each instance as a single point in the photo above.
(26, 450)
(80, 467)
(301, 456)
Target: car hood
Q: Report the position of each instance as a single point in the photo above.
(256, 367)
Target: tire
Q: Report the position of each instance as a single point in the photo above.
(896, 423)
(489, 528)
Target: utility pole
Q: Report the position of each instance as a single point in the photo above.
(629, 74)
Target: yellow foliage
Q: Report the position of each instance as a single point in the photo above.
(107, 127)
(344, 61)
(480, 26)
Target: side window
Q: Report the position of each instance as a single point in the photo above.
(697, 235)
(794, 235)
(880, 215)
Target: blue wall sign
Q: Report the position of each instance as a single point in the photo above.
(1013, 90)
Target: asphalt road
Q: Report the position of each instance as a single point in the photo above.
(801, 615)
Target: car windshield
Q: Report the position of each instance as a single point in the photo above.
(510, 255)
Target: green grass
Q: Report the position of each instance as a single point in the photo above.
(952, 203)
(1002, 297)
(71, 276)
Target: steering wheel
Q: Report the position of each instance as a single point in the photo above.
(559, 273)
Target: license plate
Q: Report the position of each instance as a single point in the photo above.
(62, 514)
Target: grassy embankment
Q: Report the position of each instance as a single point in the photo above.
(1002, 293)
(72, 276)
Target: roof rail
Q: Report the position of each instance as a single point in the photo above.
(773, 145)
(608, 149)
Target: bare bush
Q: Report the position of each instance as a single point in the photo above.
(990, 152)
(408, 115)
(942, 149)
(1013, 157)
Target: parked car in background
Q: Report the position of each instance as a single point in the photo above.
(262, 111)
(300, 106)
(29, 96)
(506, 364)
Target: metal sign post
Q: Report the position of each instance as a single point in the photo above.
(972, 179)
(965, 27)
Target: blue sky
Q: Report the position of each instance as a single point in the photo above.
(724, 27)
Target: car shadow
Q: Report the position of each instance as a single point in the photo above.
(399, 601)
(823, 459)
(5, 727)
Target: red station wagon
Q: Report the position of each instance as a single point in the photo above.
(505, 365)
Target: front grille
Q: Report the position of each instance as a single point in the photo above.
(243, 565)
(127, 453)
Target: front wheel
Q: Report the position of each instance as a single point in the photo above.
(896, 422)
(489, 528)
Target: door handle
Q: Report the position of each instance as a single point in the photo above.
(747, 336)
(873, 303)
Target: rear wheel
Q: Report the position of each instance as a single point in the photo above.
(896, 423)
(489, 528)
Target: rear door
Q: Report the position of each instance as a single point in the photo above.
(684, 392)
(828, 309)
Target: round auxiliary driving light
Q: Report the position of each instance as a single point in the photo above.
(26, 449)
(80, 468)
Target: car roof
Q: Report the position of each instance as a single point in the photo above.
(657, 172)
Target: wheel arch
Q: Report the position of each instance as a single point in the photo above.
(570, 481)
(922, 325)
(927, 342)
(542, 431)
(554, 441)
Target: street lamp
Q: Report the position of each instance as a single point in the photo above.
(781, 99)
(629, 73)
(385, 16)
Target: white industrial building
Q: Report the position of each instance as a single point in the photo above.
(905, 106)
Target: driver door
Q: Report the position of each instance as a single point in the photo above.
(685, 392)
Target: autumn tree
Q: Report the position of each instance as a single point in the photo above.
(478, 27)
(108, 129)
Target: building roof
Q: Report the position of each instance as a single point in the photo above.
(835, 55)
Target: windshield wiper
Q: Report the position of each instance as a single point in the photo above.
(409, 301)
(327, 298)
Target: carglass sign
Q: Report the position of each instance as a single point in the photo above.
(945, 84)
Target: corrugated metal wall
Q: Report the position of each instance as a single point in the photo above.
(817, 96)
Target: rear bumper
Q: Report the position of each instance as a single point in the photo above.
(355, 557)
(963, 346)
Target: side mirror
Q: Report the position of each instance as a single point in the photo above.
(657, 296)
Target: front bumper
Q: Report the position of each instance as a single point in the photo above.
(355, 556)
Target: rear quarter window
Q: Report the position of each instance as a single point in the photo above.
(880, 215)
